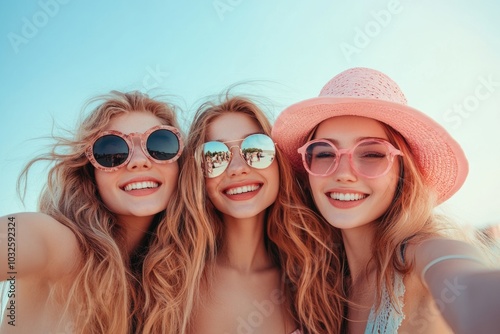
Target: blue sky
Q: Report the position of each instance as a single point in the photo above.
(56, 54)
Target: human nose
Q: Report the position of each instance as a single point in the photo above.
(138, 158)
(237, 165)
(344, 171)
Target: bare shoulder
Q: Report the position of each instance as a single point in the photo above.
(41, 244)
(464, 288)
(442, 244)
(438, 258)
(441, 248)
(436, 282)
(31, 217)
(42, 227)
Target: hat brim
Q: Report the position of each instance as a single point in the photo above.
(440, 158)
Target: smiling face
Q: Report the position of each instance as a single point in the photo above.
(240, 191)
(141, 188)
(346, 199)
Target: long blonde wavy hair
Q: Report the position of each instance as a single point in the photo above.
(183, 256)
(105, 294)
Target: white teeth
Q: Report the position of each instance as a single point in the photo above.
(346, 197)
(141, 185)
(244, 189)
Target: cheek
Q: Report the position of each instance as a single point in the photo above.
(314, 184)
(315, 187)
(100, 180)
(104, 185)
(274, 179)
(393, 181)
(170, 173)
(387, 190)
(211, 188)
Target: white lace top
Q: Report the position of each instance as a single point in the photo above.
(388, 318)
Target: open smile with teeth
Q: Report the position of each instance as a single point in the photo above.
(141, 185)
(347, 197)
(241, 190)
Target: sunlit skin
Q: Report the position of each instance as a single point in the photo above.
(244, 275)
(50, 250)
(357, 221)
(248, 205)
(137, 208)
(424, 303)
(375, 194)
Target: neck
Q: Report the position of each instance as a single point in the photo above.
(135, 230)
(358, 246)
(244, 249)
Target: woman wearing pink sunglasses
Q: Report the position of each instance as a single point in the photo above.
(376, 168)
(76, 266)
(255, 263)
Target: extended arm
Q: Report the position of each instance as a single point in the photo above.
(35, 244)
(464, 289)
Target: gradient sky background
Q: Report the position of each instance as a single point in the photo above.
(56, 54)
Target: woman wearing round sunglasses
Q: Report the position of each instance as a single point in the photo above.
(76, 265)
(376, 169)
(255, 263)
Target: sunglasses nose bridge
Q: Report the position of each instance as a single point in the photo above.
(138, 153)
(344, 163)
(237, 161)
(230, 148)
(134, 143)
(238, 151)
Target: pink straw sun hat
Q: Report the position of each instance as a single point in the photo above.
(369, 93)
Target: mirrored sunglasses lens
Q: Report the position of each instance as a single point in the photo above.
(371, 159)
(110, 151)
(216, 157)
(321, 158)
(258, 150)
(163, 145)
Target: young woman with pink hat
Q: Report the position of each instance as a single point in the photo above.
(251, 241)
(376, 169)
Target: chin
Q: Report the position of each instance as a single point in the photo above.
(244, 214)
(146, 212)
